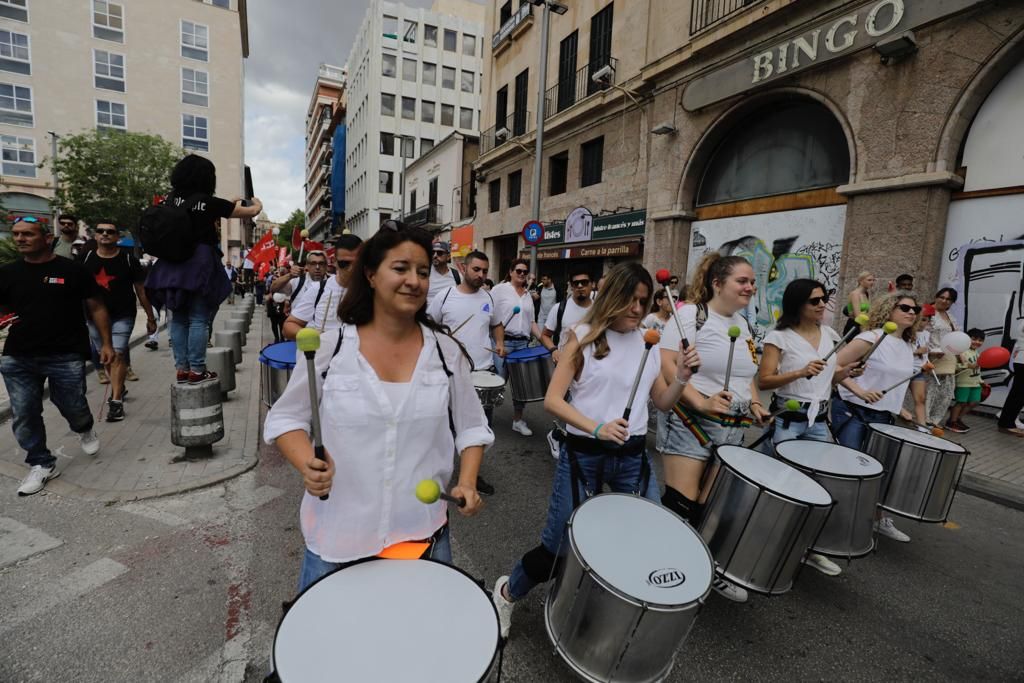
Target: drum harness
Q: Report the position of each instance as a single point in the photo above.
(789, 416)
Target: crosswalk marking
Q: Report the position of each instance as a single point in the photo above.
(18, 541)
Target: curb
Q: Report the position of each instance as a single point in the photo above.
(992, 490)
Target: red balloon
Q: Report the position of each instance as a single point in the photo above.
(995, 357)
(986, 391)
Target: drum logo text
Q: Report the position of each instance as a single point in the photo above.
(666, 578)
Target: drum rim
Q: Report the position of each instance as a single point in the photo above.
(472, 580)
(874, 427)
(831, 503)
(832, 475)
(274, 363)
(536, 352)
(643, 604)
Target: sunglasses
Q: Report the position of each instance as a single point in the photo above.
(27, 219)
(520, 271)
(105, 231)
(580, 283)
(316, 264)
(815, 300)
(343, 264)
(907, 308)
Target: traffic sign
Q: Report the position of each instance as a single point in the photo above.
(533, 232)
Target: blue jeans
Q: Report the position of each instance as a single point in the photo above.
(24, 377)
(622, 474)
(190, 330)
(315, 567)
(499, 364)
(849, 422)
(799, 430)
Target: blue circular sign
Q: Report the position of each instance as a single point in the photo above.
(533, 232)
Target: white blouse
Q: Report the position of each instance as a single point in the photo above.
(506, 299)
(381, 451)
(795, 352)
(892, 361)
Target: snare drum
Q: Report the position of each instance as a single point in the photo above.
(760, 518)
(389, 620)
(922, 471)
(529, 373)
(853, 479)
(276, 364)
(628, 591)
(490, 387)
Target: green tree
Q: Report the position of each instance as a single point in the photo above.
(295, 221)
(113, 175)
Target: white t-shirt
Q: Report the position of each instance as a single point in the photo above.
(795, 352)
(453, 308)
(506, 299)
(892, 361)
(573, 314)
(439, 282)
(1017, 355)
(548, 295)
(302, 307)
(713, 344)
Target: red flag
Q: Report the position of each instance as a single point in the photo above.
(264, 250)
(313, 246)
(296, 238)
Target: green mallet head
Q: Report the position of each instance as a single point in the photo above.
(865, 306)
(861, 320)
(428, 491)
(792, 405)
(890, 327)
(734, 332)
(308, 339)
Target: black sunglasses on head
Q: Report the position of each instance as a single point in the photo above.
(815, 300)
(907, 308)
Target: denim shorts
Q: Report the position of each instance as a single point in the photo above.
(120, 334)
(675, 439)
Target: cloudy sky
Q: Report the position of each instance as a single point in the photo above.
(288, 41)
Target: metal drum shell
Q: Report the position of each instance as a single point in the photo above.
(274, 374)
(920, 482)
(529, 379)
(490, 396)
(757, 536)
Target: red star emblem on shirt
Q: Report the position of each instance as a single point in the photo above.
(104, 280)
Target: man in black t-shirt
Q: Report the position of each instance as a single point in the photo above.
(48, 342)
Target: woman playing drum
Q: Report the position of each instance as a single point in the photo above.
(605, 354)
(391, 381)
(708, 415)
(861, 401)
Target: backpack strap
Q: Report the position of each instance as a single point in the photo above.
(558, 321)
(298, 287)
(323, 286)
(337, 348)
(456, 276)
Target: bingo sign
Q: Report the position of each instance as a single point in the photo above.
(533, 232)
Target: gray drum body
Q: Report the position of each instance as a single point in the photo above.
(922, 471)
(760, 517)
(628, 591)
(529, 373)
(853, 479)
(276, 364)
(490, 387)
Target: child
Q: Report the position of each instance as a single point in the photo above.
(968, 383)
(919, 385)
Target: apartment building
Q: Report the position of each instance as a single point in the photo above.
(325, 114)
(415, 77)
(818, 139)
(440, 191)
(172, 68)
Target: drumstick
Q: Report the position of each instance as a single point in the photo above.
(861, 321)
(327, 308)
(902, 381)
(734, 333)
(663, 277)
(515, 311)
(429, 491)
(308, 341)
(463, 323)
(651, 337)
(790, 406)
(887, 329)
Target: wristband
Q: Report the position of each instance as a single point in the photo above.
(597, 429)
(757, 403)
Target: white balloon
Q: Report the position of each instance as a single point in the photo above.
(279, 297)
(956, 342)
(276, 231)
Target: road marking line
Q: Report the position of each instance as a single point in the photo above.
(18, 541)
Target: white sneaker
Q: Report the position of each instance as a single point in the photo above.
(36, 479)
(556, 448)
(90, 442)
(503, 605)
(729, 590)
(521, 427)
(822, 564)
(886, 528)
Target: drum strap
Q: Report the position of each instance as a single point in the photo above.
(633, 447)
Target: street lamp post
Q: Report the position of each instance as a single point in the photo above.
(56, 180)
(401, 178)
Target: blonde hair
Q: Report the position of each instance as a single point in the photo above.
(882, 308)
(615, 300)
(712, 268)
(863, 274)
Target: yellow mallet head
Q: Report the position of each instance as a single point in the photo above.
(861, 320)
(428, 491)
(308, 339)
(890, 327)
(304, 233)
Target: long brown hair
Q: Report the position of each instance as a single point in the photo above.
(712, 268)
(615, 300)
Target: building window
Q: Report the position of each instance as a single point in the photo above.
(519, 115)
(429, 35)
(504, 13)
(558, 173)
(108, 20)
(468, 81)
(411, 29)
(451, 39)
(387, 104)
(195, 133)
(195, 87)
(16, 105)
(14, 53)
(426, 144)
(19, 156)
(591, 161)
(385, 182)
(426, 112)
(109, 70)
(388, 66)
(515, 188)
(429, 74)
(408, 147)
(409, 70)
(465, 118)
(447, 115)
(409, 108)
(195, 41)
(494, 195)
(600, 45)
(468, 45)
(14, 9)
(387, 144)
(448, 78)
(111, 115)
(412, 201)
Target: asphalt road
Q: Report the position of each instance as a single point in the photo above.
(189, 588)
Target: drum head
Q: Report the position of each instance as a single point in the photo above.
(388, 620)
(280, 356)
(774, 475)
(486, 379)
(641, 549)
(526, 355)
(828, 458)
(917, 438)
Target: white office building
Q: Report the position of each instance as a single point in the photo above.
(414, 77)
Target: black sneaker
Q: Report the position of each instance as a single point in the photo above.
(151, 345)
(115, 411)
(483, 488)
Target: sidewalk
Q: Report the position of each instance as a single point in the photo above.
(136, 455)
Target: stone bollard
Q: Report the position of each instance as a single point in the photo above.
(241, 315)
(236, 326)
(197, 419)
(220, 359)
(231, 339)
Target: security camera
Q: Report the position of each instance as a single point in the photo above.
(603, 74)
(501, 133)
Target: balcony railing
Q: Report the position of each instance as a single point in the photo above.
(430, 214)
(515, 124)
(517, 18)
(706, 13)
(581, 85)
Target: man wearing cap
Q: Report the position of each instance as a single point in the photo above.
(441, 275)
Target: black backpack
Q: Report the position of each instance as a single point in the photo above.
(166, 230)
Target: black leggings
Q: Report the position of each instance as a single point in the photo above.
(1014, 399)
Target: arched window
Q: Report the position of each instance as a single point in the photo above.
(789, 147)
